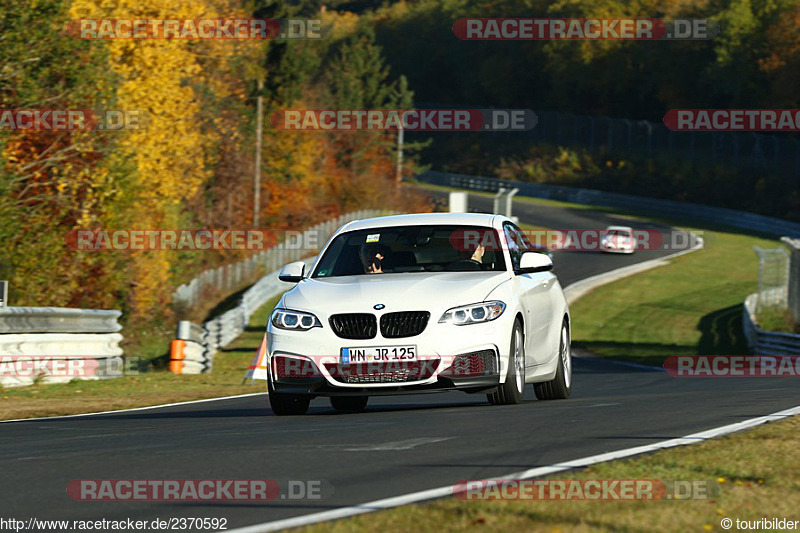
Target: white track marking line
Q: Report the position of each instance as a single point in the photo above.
(443, 492)
(135, 408)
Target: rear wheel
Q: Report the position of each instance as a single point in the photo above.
(283, 404)
(349, 404)
(561, 385)
(511, 391)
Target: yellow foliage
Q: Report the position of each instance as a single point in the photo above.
(174, 153)
(344, 23)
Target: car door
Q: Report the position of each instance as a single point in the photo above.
(533, 290)
(551, 303)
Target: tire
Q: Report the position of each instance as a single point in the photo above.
(560, 386)
(283, 404)
(349, 404)
(512, 391)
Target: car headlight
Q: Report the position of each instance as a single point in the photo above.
(286, 319)
(473, 313)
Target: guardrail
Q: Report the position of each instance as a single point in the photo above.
(762, 342)
(58, 320)
(57, 345)
(195, 346)
(653, 206)
(190, 352)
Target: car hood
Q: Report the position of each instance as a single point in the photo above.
(398, 292)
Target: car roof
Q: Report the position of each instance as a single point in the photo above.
(619, 228)
(423, 219)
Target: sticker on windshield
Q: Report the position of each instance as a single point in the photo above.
(375, 237)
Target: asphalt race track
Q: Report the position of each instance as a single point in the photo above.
(399, 445)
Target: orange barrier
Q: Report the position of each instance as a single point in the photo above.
(176, 356)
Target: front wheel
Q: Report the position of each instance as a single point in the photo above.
(511, 392)
(283, 404)
(561, 385)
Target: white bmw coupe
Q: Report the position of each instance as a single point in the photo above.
(417, 303)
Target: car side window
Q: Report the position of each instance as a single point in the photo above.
(514, 249)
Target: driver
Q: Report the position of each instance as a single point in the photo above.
(372, 257)
(477, 254)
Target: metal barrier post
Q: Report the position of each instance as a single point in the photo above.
(497, 199)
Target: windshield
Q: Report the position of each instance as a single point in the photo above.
(411, 249)
(618, 233)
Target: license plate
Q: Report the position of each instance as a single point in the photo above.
(370, 354)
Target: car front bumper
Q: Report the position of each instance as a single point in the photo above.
(451, 357)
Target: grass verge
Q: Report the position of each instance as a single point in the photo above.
(144, 389)
(752, 485)
(693, 306)
(777, 319)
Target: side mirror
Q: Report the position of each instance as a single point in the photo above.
(293, 272)
(534, 262)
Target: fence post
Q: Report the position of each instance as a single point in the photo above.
(796, 157)
(649, 137)
(794, 278)
(575, 130)
(756, 154)
(775, 148)
(773, 277)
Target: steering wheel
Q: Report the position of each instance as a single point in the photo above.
(469, 261)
